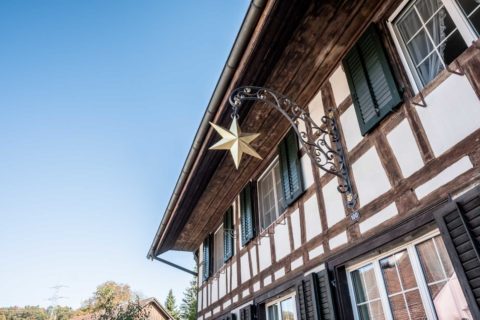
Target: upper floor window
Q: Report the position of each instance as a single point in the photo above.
(270, 196)
(282, 309)
(431, 34)
(416, 281)
(429, 37)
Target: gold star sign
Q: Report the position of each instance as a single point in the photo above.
(235, 141)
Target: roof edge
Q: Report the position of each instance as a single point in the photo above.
(241, 42)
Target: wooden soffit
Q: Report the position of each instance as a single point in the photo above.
(296, 50)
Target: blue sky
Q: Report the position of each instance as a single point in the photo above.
(99, 103)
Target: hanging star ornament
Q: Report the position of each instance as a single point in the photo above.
(235, 141)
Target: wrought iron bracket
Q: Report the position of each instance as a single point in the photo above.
(321, 142)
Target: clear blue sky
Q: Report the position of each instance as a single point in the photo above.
(99, 103)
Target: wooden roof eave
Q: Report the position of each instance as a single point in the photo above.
(294, 58)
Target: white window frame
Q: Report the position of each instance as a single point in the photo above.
(215, 248)
(463, 25)
(278, 212)
(278, 302)
(417, 270)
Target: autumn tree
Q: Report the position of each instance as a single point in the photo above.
(113, 301)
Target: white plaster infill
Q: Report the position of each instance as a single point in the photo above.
(383, 215)
(444, 177)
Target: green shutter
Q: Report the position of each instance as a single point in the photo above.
(372, 85)
(207, 257)
(246, 215)
(314, 299)
(290, 168)
(459, 225)
(228, 234)
(248, 312)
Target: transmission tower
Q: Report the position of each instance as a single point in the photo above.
(54, 301)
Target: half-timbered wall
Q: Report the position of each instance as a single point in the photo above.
(418, 154)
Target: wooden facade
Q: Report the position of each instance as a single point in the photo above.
(415, 171)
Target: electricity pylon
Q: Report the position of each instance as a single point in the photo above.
(54, 301)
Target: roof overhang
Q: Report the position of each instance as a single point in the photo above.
(289, 46)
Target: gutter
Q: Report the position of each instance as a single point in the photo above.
(236, 53)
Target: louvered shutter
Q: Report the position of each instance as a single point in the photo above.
(459, 224)
(207, 257)
(290, 168)
(372, 85)
(248, 312)
(247, 214)
(314, 300)
(307, 298)
(228, 234)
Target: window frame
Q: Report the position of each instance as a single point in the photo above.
(278, 301)
(220, 233)
(418, 271)
(465, 29)
(279, 211)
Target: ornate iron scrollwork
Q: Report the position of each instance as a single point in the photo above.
(328, 156)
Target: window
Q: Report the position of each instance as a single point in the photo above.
(282, 309)
(471, 10)
(370, 79)
(431, 34)
(228, 235)
(207, 257)
(247, 219)
(416, 281)
(270, 196)
(218, 256)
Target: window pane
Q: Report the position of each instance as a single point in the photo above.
(270, 196)
(442, 282)
(429, 69)
(440, 26)
(402, 289)
(367, 295)
(468, 5)
(273, 312)
(218, 258)
(409, 25)
(360, 294)
(420, 47)
(471, 9)
(427, 8)
(288, 309)
(278, 190)
(475, 20)
(453, 47)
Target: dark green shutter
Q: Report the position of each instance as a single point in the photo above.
(314, 300)
(247, 218)
(248, 312)
(290, 168)
(207, 257)
(228, 234)
(307, 298)
(372, 85)
(459, 224)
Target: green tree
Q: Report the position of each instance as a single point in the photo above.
(61, 313)
(171, 305)
(188, 308)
